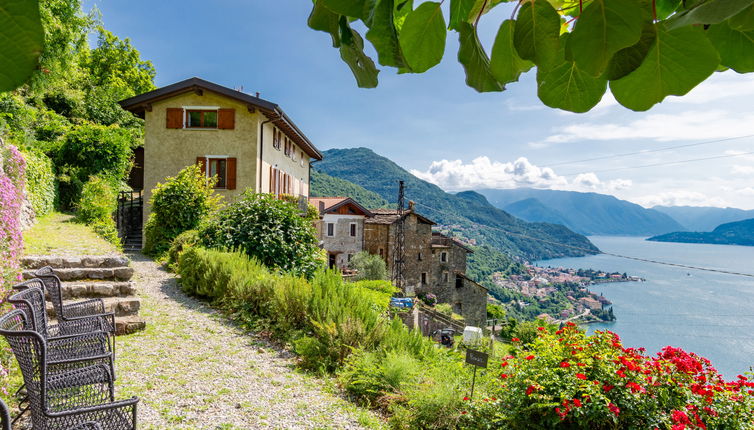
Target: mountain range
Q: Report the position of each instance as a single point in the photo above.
(732, 233)
(696, 218)
(585, 213)
(467, 214)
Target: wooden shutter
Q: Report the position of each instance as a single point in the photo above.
(202, 163)
(230, 173)
(226, 119)
(174, 118)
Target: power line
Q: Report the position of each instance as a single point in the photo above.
(648, 151)
(590, 251)
(668, 163)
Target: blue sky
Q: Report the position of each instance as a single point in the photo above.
(437, 127)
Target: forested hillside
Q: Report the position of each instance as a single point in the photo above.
(324, 185)
(468, 215)
(732, 233)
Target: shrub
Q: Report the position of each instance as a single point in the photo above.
(91, 150)
(369, 266)
(179, 204)
(40, 179)
(268, 229)
(444, 308)
(12, 178)
(179, 244)
(96, 206)
(569, 380)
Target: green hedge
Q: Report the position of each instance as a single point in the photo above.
(340, 327)
(40, 182)
(96, 206)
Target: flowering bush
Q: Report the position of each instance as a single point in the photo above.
(569, 380)
(11, 197)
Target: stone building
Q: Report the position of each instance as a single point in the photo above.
(340, 228)
(433, 263)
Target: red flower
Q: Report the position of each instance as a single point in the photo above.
(565, 364)
(466, 399)
(577, 403)
(515, 339)
(581, 376)
(614, 409)
(503, 364)
(540, 328)
(503, 376)
(464, 412)
(608, 387)
(680, 417)
(529, 357)
(530, 390)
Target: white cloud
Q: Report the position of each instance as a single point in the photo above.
(748, 191)
(742, 170)
(680, 198)
(484, 173)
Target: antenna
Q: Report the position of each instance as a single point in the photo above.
(399, 240)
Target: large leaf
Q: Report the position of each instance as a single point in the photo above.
(604, 28)
(352, 52)
(629, 59)
(736, 48)
(422, 37)
(677, 62)
(536, 35)
(664, 8)
(401, 9)
(323, 19)
(21, 39)
(459, 12)
(708, 12)
(744, 20)
(566, 86)
(477, 10)
(474, 60)
(383, 35)
(352, 8)
(505, 64)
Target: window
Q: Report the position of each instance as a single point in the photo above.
(444, 257)
(419, 257)
(330, 229)
(218, 166)
(445, 276)
(201, 118)
(276, 134)
(424, 278)
(382, 252)
(459, 281)
(353, 229)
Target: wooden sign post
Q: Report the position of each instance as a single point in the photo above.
(476, 359)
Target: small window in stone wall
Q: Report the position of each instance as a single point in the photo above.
(330, 229)
(353, 229)
(444, 257)
(459, 281)
(445, 276)
(382, 252)
(419, 257)
(424, 278)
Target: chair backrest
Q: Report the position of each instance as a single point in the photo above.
(32, 302)
(30, 350)
(4, 416)
(53, 286)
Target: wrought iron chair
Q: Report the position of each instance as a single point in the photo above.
(75, 393)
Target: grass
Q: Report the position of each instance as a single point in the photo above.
(59, 234)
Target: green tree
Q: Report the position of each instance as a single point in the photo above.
(269, 229)
(179, 204)
(370, 267)
(644, 50)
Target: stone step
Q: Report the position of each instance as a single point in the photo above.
(87, 261)
(72, 290)
(123, 273)
(122, 306)
(129, 324)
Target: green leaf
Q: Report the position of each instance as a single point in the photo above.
(477, 11)
(736, 48)
(352, 8)
(505, 64)
(677, 62)
(422, 37)
(352, 52)
(708, 12)
(536, 35)
(665, 8)
(565, 86)
(629, 59)
(400, 11)
(384, 36)
(474, 60)
(323, 19)
(604, 28)
(459, 12)
(22, 38)
(744, 20)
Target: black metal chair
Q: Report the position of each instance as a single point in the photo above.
(65, 394)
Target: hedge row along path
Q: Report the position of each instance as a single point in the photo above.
(194, 369)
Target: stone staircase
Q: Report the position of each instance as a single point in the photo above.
(107, 277)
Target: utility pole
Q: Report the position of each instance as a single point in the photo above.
(399, 241)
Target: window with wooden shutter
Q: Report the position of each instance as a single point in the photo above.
(226, 119)
(174, 118)
(230, 180)
(202, 163)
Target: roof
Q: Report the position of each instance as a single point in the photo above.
(141, 103)
(463, 275)
(390, 216)
(440, 240)
(333, 203)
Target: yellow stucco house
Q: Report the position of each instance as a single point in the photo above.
(248, 142)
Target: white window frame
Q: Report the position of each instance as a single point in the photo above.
(188, 108)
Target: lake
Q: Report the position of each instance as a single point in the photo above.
(708, 313)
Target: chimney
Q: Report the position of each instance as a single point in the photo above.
(257, 94)
(321, 207)
(411, 205)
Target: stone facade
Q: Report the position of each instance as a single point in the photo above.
(340, 228)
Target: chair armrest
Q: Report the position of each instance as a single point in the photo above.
(83, 309)
(88, 324)
(127, 405)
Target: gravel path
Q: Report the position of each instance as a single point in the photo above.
(193, 369)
